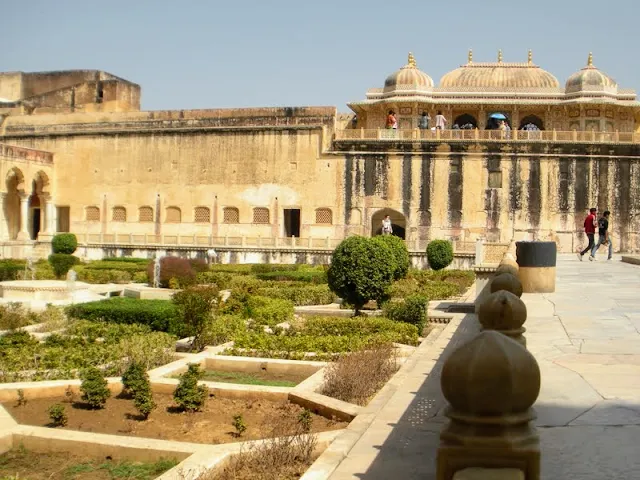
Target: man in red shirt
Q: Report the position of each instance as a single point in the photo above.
(590, 224)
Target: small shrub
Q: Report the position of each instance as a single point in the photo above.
(400, 253)
(140, 277)
(221, 279)
(361, 270)
(11, 269)
(269, 311)
(159, 315)
(196, 306)
(57, 415)
(134, 378)
(173, 267)
(22, 401)
(61, 263)
(439, 254)
(305, 419)
(222, 329)
(188, 395)
(65, 243)
(94, 388)
(307, 276)
(273, 267)
(199, 265)
(239, 425)
(412, 309)
(247, 284)
(143, 398)
(357, 376)
(14, 316)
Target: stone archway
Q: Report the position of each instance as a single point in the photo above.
(398, 222)
(466, 121)
(12, 203)
(531, 120)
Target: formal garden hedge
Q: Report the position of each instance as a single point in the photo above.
(158, 315)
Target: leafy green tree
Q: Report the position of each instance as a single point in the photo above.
(439, 254)
(400, 254)
(197, 306)
(361, 270)
(134, 378)
(188, 395)
(94, 388)
(66, 243)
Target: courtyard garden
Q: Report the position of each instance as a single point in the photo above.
(370, 312)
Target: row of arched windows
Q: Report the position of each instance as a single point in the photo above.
(260, 215)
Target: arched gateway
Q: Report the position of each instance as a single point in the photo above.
(398, 222)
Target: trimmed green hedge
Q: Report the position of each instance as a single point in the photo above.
(64, 243)
(303, 295)
(309, 276)
(356, 326)
(122, 266)
(10, 269)
(159, 315)
(269, 311)
(412, 310)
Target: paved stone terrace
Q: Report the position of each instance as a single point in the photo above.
(586, 338)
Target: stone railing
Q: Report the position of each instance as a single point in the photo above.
(203, 241)
(25, 154)
(476, 135)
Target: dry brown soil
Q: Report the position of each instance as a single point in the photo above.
(212, 425)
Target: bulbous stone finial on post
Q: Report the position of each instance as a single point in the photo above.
(508, 265)
(490, 383)
(504, 312)
(508, 282)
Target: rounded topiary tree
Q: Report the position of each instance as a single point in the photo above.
(439, 254)
(361, 270)
(400, 254)
(66, 243)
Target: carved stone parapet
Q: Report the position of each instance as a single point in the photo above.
(491, 384)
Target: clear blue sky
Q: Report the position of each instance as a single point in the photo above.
(210, 53)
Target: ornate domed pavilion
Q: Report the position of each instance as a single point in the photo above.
(591, 81)
(409, 79)
(499, 77)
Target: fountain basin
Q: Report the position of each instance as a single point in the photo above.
(36, 294)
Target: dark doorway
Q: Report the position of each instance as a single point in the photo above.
(292, 222)
(35, 223)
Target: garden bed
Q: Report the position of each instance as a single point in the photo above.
(254, 378)
(23, 464)
(212, 425)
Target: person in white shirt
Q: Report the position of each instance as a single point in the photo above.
(386, 225)
(441, 122)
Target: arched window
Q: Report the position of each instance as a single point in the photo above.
(531, 123)
(92, 214)
(202, 215)
(145, 214)
(261, 215)
(324, 216)
(119, 214)
(230, 215)
(466, 121)
(174, 215)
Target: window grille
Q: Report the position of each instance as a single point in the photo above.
(230, 215)
(119, 214)
(324, 215)
(202, 215)
(260, 215)
(93, 214)
(145, 214)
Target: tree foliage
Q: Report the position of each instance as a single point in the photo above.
(439, 254)
(400, 254)
(361, 269)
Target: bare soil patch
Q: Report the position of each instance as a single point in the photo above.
(27, 465)
(212, 425)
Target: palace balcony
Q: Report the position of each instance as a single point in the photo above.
(417, 135)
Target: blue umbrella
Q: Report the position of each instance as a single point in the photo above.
(498, 116)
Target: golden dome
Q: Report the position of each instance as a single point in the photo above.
(590, 78)
(408, 77)
(499, 76)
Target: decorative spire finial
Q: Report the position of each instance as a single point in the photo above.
(530, 58)
(590, 60)
(470, 57)
(499, 56)
(411, 61)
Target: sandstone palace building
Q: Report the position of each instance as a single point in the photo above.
(77, 154)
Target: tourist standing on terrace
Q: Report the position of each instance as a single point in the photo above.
(423, 123)
(590, 224)
(441, 122)
(392, 122)
(603, 236)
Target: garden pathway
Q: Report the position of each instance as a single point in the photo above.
(586, 339)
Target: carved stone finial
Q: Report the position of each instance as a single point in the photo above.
(470, 57)
(504, 312)
(411, 62)
(530, 57)
(508, 282)
(499, 56)
(590, 60)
